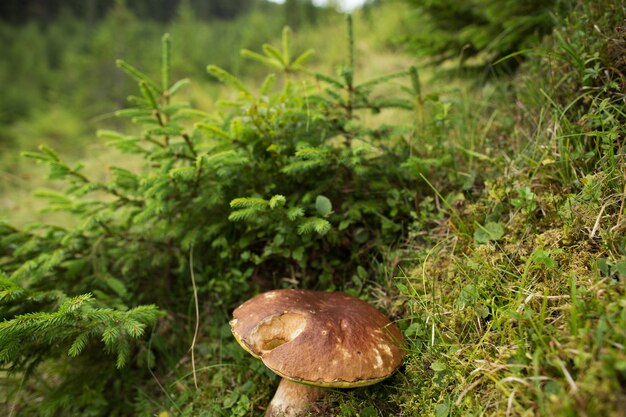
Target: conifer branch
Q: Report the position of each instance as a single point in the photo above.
(190, 145)
(155, 142)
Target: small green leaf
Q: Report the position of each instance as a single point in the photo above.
(438, 366)
(230, 399)
(621, 365)
(468, 296)
(403, 288)
(619, 267)
(361, 235)
(603, 266)
(298, 253)
(323, 205)
(361, 272)
(489, 232)
(369, 411)
(442, 410)
(413, 330)
(544, 257)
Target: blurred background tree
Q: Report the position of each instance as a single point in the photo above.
(484, 29)
(17, 11)
(71, 41)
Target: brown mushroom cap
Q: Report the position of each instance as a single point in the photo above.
(319, 338)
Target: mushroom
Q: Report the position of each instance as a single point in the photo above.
(316, 339)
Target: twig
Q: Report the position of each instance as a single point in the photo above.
(156, 142)
(19, 390)
(161, 387)
(432, 339)
(597, 223)
(466, 390)
(190, 145)
(568, 376)
(509, 403)
(537, 295)
(195, 333)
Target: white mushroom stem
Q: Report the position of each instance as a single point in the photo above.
(292, 399)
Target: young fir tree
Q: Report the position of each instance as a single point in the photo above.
(285, 182)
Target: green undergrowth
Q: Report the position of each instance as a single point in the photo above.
(517, 307)
(283, 184)
(510, 286)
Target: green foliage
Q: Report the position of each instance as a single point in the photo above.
(74, 320)
(489, 232)
(490, 226)
(69, 50)
(489, 29)
(526, 317)
(280, 59)
(282, 187)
